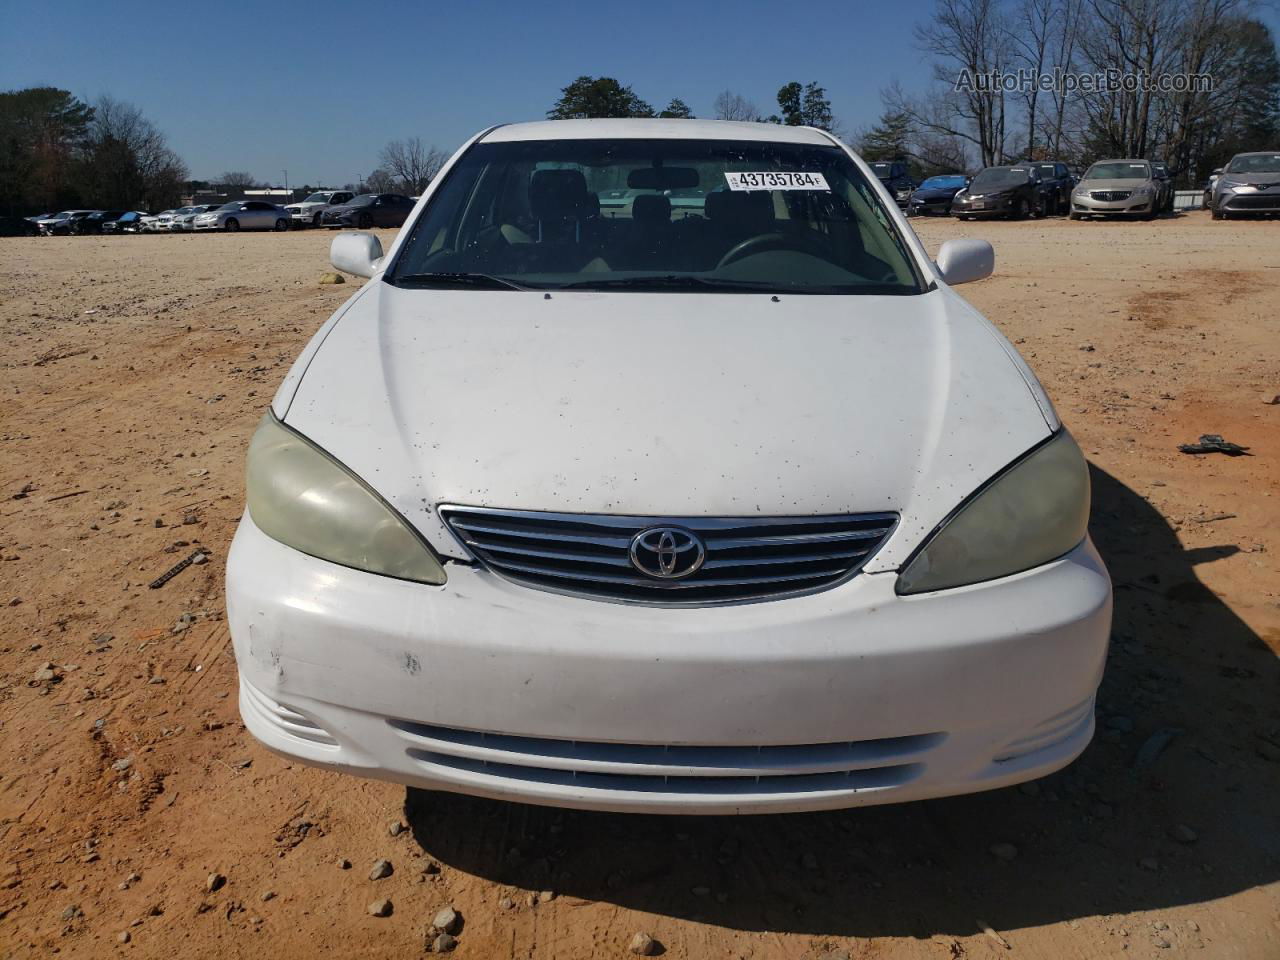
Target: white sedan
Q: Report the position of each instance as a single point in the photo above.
(738, 510)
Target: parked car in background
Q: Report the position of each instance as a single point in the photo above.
(309, 212)
(1109, 188)
(896, 177)
(1164, 180)
(1250, 183)
(151, 222)
(1057, 183)
(18, 227)
(935, 194)
(130, 222)
(1014, 191)
(186, 222)
(369, 210)
(431, 585)
(244, 215)
(174, 223)
(60, 222)
(92, 223)
(164, 220)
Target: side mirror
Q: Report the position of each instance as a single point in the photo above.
(356, 253)
(1217, 172)
(964, 260)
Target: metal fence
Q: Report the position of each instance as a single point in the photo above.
(1187, 199)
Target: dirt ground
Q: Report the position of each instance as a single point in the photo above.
(134, 370)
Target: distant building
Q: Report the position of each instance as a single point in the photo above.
(221, 194)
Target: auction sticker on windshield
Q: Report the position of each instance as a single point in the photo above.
(776, 180)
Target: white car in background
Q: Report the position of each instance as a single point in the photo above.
(308, 212)
(737, 512)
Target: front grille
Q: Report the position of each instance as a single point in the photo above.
(673, 769)
(1111, 196)
(1245, 201)
(746, 558)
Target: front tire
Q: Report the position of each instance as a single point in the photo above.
(315, 221)
(232, 225)
(1021, 211)
(282, 225)
(1072, 215)
(364, 222)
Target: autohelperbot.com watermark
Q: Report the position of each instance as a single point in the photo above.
(1026, 80)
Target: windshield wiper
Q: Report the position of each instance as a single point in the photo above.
(669, 281)
(480, 280)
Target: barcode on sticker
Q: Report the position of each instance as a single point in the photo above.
(776, 180)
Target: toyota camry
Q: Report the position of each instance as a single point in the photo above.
(729, 506)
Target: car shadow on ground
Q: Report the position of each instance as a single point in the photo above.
(1173, 803)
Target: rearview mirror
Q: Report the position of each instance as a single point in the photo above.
(965, 260)
(356, 253)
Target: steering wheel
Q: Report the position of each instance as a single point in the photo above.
(774, 241)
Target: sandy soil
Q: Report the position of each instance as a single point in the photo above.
(134, 370)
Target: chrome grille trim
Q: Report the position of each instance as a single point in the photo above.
(747, 558)
(1111, 196)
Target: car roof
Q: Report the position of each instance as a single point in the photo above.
(1257, 153)
(655, 129)
(1122, 160)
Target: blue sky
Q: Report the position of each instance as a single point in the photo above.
(318, 87)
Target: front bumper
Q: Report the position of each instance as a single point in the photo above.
(1258, 201)
(998, 207)
(922, 208)
(1129, 206)
(841, 698)
(206, 225)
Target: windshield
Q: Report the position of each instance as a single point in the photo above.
(1255, 163)
(1119, 170)
(999, 178)
(774, 217)
(362, 201)
(942, 183)
(233, 205)
(318, 198)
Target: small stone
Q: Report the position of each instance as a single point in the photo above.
(1087, 347)
(123, 764)
(1159, 926)
(155, 681)
(1184, 834)
(1271, 399)
(90, 858)
(546, 896)
(1003, 851)
(343, 863)
(396, 828)
(444, 943)
(124, 936)
(268, 895)
(45, 674)
(332, 278)
(103, 638)
(71, 912)
(1160, 943)
(446, 920)
(643, 945)
(199, 559)
(506, 903)
(381, 868)
(431, 867)
(215, 882)
(380, 908)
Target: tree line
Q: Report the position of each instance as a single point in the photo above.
(56, 151)
(958, 126)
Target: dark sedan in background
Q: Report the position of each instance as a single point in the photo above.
(1014, 191)
(934, 196)
(93, 222)
(896, 177)
(370, 210)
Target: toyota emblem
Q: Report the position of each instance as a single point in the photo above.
(667, 553)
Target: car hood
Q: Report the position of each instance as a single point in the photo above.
(936, 193)
(1253, 178)
(666, 404)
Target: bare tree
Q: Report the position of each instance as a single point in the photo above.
(236, 180)
(381, 181)
(412, 163)
(129, 160)
(732, 106)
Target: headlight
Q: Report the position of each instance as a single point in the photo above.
(301, 496)
(1035, 511)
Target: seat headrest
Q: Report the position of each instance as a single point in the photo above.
(558, 194)
(651, 208)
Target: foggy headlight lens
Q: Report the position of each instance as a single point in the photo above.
(301, 496)
(1035, 511)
